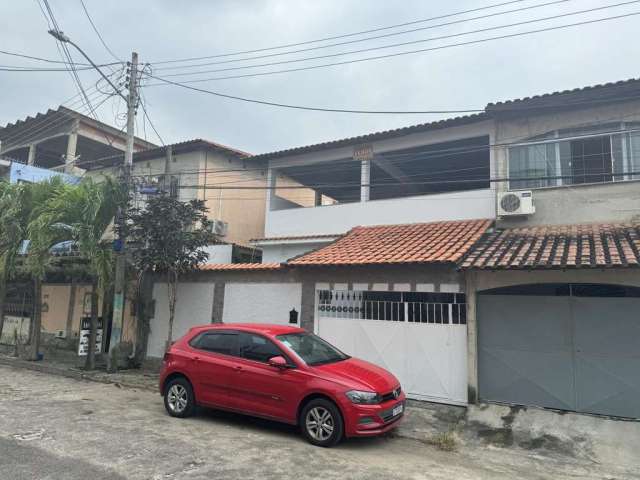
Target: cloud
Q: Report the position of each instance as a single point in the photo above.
(462, 77)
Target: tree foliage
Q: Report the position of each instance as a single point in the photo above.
(167, 237)
(45, 213)
(19, 208)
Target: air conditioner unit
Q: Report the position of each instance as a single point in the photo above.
(220, 228)
(516, 203)
(61, 334)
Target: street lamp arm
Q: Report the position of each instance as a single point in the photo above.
(58, 35)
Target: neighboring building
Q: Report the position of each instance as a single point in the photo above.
(191, 170)
(63, 139)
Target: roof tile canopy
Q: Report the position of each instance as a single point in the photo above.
(436, 242)
(218, 267)
(558, 246)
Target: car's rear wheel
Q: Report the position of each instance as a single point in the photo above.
(179, 400)
(321, 423)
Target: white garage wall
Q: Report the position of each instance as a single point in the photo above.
(193, 307)
(261, 302)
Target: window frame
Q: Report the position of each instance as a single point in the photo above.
(290, 362)
(193, 343)
(624, 129)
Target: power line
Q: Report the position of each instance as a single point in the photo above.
(429, 182)
(44, 124)
(335, 37)
(397, 54)
(344, 168)
(505, 143)
(374, 112)
(49, 60)
(95, 29)
(376, 37)
(413, 42)
(17, 68)
(390, 158)
(68, 56)
(146, 115)
(301, 107)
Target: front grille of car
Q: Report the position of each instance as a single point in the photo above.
(387, 415)
(393, 395)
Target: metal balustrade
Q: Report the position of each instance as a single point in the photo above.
(349, 304)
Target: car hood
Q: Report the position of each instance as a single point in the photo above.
(359, 374)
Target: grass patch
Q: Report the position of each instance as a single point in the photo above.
(445, 441)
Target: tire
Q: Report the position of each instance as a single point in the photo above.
(333, 426)
(179, 400)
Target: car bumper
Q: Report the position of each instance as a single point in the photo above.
(372, 420)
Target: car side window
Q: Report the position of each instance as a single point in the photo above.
(258, 348)
(217, 342)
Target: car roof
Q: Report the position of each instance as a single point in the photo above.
(268, 328)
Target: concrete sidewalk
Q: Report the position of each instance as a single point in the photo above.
(567, 438)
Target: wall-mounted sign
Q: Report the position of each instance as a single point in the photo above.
(85, 330)
(363, 152)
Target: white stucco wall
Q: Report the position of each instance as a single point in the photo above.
(338, 219)
(283, 252)
(261, 302)
(219, 253)
(193, 307)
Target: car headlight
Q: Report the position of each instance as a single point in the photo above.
(366, 398)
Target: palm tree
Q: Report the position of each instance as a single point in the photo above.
(81, 213)
(18, 209)
(11, 236)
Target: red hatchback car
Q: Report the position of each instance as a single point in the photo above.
(281, 373)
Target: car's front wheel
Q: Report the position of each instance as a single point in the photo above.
(321, 423)
(179, 400)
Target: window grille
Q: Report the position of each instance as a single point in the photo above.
(413, 307)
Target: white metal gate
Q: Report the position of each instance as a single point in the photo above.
(420, 337)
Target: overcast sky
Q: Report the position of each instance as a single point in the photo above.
(464, 77)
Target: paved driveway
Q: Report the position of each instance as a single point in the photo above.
(59, 428)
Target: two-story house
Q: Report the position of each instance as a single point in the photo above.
(488, 257)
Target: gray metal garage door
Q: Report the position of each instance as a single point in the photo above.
(562, 351)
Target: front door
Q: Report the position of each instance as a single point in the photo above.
(261, 388)
(213, 361)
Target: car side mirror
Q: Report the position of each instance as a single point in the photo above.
(278, 362)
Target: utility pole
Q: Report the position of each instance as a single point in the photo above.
(120, 284)
(120, 277)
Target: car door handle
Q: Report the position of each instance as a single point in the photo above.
(237, 368)
(195, 359)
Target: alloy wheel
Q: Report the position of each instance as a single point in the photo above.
(177, 398)
(319, 423)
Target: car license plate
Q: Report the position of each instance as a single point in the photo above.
(396, 410)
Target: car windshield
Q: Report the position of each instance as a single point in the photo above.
(312, 349)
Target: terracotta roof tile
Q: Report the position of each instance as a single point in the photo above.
(296, 237)
(557, 246)
(211, 267)
(435, 242)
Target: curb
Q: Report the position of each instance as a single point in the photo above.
(68, 373)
